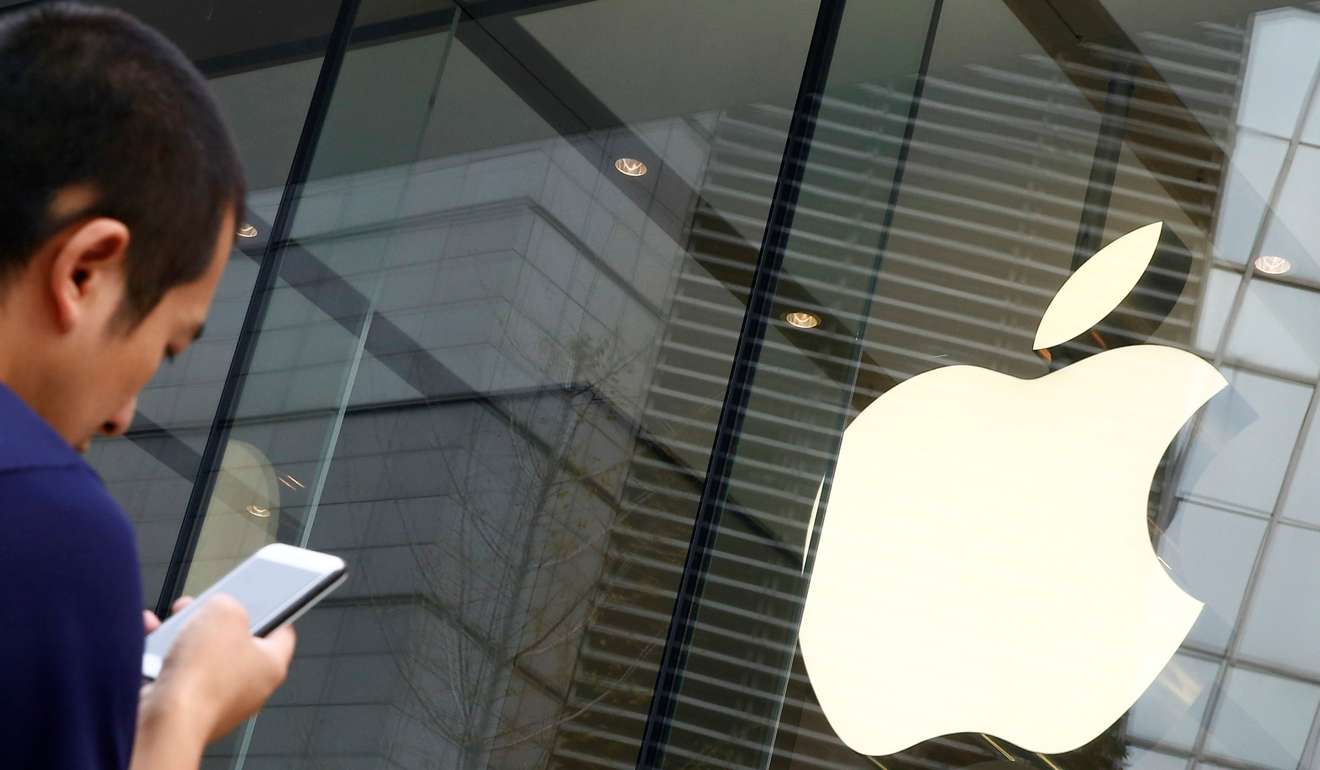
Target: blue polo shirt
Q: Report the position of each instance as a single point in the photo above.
(70, 605)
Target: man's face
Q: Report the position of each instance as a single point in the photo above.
(127, 358)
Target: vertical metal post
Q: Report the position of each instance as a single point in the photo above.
(299, 170)
(760, 305)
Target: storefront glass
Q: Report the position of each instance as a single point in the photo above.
(557, 311)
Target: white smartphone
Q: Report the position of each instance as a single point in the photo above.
(275, 585)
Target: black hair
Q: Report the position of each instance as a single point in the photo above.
(90, 97)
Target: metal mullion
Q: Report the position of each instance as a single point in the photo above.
(762, 296)
(299, 170)
(756, 322)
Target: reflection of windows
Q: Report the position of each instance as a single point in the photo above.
(1303, 502)
(1215, 304)
(1283, 626)
(1253, 166)
(1244, 443)
(1276, 328)
(1139, 759)
(241, 516)
(1293, 230)
(1265, 188)
(1244, 450)
(1263, 719)
(1170, 712)
(1279, 69)
(1211, 552)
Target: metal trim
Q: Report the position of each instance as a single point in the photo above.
(299, 170)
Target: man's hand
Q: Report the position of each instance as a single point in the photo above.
(149, 620)
(215, 676)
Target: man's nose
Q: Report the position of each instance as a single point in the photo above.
(120, 420)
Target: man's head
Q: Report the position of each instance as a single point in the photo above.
(119, 189)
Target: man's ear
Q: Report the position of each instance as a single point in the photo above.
(87, 270)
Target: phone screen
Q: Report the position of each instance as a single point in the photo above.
(263, 587)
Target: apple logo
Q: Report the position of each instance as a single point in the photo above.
(985, 565)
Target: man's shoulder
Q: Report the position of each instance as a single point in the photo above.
(54, 508)
(62, 507)
(71, 601)
(27, 441)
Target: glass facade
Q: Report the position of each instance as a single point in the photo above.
(553, 313)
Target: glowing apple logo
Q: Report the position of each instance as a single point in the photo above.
(985, 565)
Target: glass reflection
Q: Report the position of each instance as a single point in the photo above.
(1014, 163)
(261, 61)
(1265, 720)
(1142, 759)
(1170, 713)
(1303, 500)
(1211, 552)
(242, 515)
(491, 360)
(490, 366)
(1245, 440)
(1277, 631)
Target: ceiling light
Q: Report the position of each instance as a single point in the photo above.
(247, 230)
(289, 481)
(261, 512)
(802, 319)
(1271, 265)
(630, 166)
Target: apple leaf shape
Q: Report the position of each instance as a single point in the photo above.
(1098, 286)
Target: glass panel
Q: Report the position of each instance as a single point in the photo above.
(1275, 630)
(1255, 165)
(1303, 501)
(489, 369)
(1292, 230)
(801, 381)
(1153, 760)
(261, 61)
(1278, 72)
(1216, 303)
(1241, 452)
(1171, 711)
(1264, 719)
(1029, 153)
(1276, 329)
(498, 350)
(1211, 552)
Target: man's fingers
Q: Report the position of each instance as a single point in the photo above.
(149, 621)
(279, 645)
(180, 603)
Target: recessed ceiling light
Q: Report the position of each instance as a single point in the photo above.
(802, 319)
(260, 511)
(247, 230)
(1271, 265)
(290, 481)
(630, 166)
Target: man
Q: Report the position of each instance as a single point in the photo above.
(119, 189)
